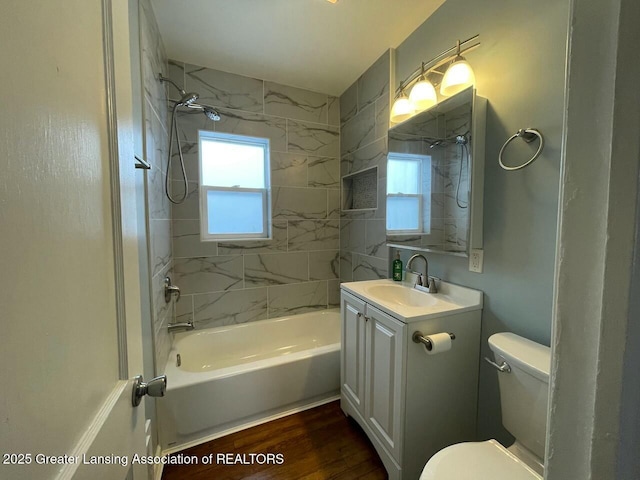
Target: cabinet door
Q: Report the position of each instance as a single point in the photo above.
(384, 381)
(353, 350)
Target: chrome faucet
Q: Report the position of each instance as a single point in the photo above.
(431, 284)
(170, 289)
(182, 326)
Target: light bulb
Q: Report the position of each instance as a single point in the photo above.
(458, 76)
(401, 110)
(423, 95)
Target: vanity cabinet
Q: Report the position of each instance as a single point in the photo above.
(409, 404)
(372, 367)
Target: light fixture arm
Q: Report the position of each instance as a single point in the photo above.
(439, 60)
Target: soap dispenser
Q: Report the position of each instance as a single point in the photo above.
(397, 268)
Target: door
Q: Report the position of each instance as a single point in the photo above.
(384, 378)
(353, 350)
(69, 289)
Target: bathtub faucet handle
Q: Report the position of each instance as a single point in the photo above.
(170, 289)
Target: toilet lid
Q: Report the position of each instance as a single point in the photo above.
(477, 461)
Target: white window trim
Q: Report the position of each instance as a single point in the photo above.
(205, 236)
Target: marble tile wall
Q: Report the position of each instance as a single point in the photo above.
(156, 141)
(364, 120)
(298, 269)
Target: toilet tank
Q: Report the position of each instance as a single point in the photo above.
(524, 392)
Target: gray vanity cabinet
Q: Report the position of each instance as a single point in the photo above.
(409, 403)
(372, 372)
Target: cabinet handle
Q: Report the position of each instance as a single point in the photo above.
(366, 319)
(360, 315)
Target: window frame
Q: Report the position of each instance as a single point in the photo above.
(205, 236)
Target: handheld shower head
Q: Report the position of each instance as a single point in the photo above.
(188, 98)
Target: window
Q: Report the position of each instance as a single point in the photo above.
(234, 186)
(408, 182)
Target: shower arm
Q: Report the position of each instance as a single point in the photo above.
(208, 110)
(165, 79)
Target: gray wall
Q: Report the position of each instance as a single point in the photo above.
(520, 69)
(364, 119)
(297, 270)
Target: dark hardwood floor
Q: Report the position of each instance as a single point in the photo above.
(316, 444)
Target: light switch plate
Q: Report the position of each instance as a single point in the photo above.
(476, 260)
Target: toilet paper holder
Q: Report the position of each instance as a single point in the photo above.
(418, 337)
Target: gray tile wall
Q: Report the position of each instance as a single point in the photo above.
(298, 269)
(364, 120)
(156, 141)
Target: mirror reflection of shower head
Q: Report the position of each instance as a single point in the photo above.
(462, 139)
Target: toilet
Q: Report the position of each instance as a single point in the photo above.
(524, 392)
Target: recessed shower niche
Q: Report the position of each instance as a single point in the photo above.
(435, 176)
(360, 190)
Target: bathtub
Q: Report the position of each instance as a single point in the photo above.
(234, 377)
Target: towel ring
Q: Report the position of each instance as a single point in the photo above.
(528, 135)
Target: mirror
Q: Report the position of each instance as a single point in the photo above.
(435, 175)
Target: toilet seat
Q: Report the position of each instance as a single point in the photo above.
(477, 461)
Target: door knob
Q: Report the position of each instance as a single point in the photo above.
(154, 388)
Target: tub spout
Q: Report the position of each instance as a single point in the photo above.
(176, 327)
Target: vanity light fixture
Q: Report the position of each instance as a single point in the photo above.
(402, 108)
(458, 76)
(423, 94)
(449, 70)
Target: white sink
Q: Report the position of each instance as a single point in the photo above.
(408, 304)
(401, 295)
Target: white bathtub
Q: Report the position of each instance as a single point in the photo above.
(237, 376)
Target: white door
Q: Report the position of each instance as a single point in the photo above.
(69, 293)
(353, 350)
(384, 378)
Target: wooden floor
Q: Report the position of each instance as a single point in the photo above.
(316, 444)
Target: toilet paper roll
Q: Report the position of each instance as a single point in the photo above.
(440, 342)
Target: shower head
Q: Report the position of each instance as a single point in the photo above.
(188, 98)
(211, 114)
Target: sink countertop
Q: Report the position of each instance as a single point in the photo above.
(402, 301)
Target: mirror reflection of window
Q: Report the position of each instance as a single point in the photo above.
(408, 193)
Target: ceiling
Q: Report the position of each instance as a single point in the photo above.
(312, 44)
